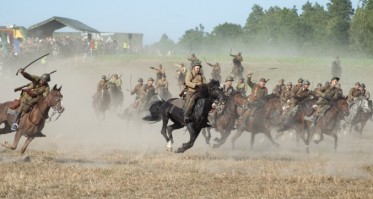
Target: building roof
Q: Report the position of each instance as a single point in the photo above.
(47, 27)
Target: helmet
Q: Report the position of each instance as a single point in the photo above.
(103, 77)
(289, 84)
(362, 85)
(197, 63)
(229, 78)
(300, 80)
(150, 79)
(357, 84)
(160, 65)
(335, 78)
(306, 82)
(281, 80)
(46, 77)
(140, 80)
(262, 80)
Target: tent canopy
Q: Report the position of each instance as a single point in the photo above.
(47, 27)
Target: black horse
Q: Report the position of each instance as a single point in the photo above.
(172, 110)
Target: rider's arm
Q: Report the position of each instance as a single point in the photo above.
(188, 81)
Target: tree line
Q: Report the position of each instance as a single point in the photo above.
(336, 29)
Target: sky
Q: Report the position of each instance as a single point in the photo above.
(153, 18)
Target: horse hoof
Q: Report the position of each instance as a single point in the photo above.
(180, 150)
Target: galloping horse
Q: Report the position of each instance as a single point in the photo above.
(116, 96)
(298, 121)
(167, 110)
(31, 123)
(101, 102)
(226, 121)
(327, 124)
(261, 122)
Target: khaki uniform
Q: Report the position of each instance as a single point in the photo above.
(162, 88)
(278, 89)
(103, 85)
(257, 92)
(146, 93)
(242, 87)
(216, 70)
(159, 72)
(297, 98)
(116, 82)
(228, 90)
(35, 93)
(137, 90)
(191, 81)
(285, 96)
(327, 94)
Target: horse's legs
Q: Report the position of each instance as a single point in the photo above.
(171, 128)
(193, 136)
(235, 137)
(269, 136)
(223, 138)
(335, 141)
(252, 140)
(164, 133)
(207, 134)
(25, 145)
(17, 137)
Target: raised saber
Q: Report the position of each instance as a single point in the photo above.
(24, 68)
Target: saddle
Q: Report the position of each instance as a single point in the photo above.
(179, 103)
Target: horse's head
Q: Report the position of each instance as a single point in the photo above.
(342, 106)
(273, 103)
(239, 99)
(54, 99)
(215, 91)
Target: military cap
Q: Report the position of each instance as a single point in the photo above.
(362, 85)
(229, 78)
(262, 80)
(300, 80)
(357, 84)
(306, 82)
(150, 79)
(197, 63)
(140, 80)
(289, 84)
(335, 78)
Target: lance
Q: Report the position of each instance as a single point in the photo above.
(24, 68)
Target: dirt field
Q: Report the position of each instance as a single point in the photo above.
(82, 157)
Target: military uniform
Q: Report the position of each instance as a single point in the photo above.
(216, 70)
(117, 82)
(353, 94)
(257, 92)
(181, 73)
(147, 92)
(193, 60)
(241, 86)
(237, 62)
(159, 72)
(279, 88)
(162, 88)
(32, 94)
(298, 97)
(327, 94)
(285, 95)
(138, 89)
(192, 80)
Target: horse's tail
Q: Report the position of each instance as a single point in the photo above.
(155, 112)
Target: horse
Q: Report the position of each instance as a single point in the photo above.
(328, 123)
(167, 110)
(357, 116)
(300, 121)
(101, 102)
(116, 96)
(362, 119)
(32, 123)
(262, 120)
(225, 122)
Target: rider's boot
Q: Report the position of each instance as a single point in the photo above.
(14, 126)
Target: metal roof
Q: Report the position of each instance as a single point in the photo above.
(47, 27)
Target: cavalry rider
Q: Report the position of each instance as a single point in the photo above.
(318, 87)
(181, 73)
(237, 62)
(328, 94)
(148, 91)
(228, 90)
(162, 88)
(216, 70)
(159, 72)
(103, 84)
(354, 93)
(286, 94)
(366, 102)
(137, 90)
(193, 60)
(116, 81)
(297, 86)
(277, 90)
(258, 91)
(193, 80)
(241, 86)
(37, 89)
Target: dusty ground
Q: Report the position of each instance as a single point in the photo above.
(82, 157)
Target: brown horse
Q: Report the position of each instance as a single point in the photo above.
(362, 119)
(31, 123)
(101, 103)
(328, 123)
(226, 121)
(261, 122)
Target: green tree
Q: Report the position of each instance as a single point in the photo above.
(254, 23)
(193, 38)
(361, 32)
(165, 44)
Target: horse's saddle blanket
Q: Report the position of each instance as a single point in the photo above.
(179, 103)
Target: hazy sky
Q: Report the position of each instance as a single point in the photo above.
(150, 17)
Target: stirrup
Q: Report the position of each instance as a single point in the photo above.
(14, 127)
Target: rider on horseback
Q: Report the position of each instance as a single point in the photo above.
(116, 81)
(37, 89)
(241, 86)
(258, 90)
(328, 94)
(237, 63)
(193, 79)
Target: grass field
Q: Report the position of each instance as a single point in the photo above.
(82, 157)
